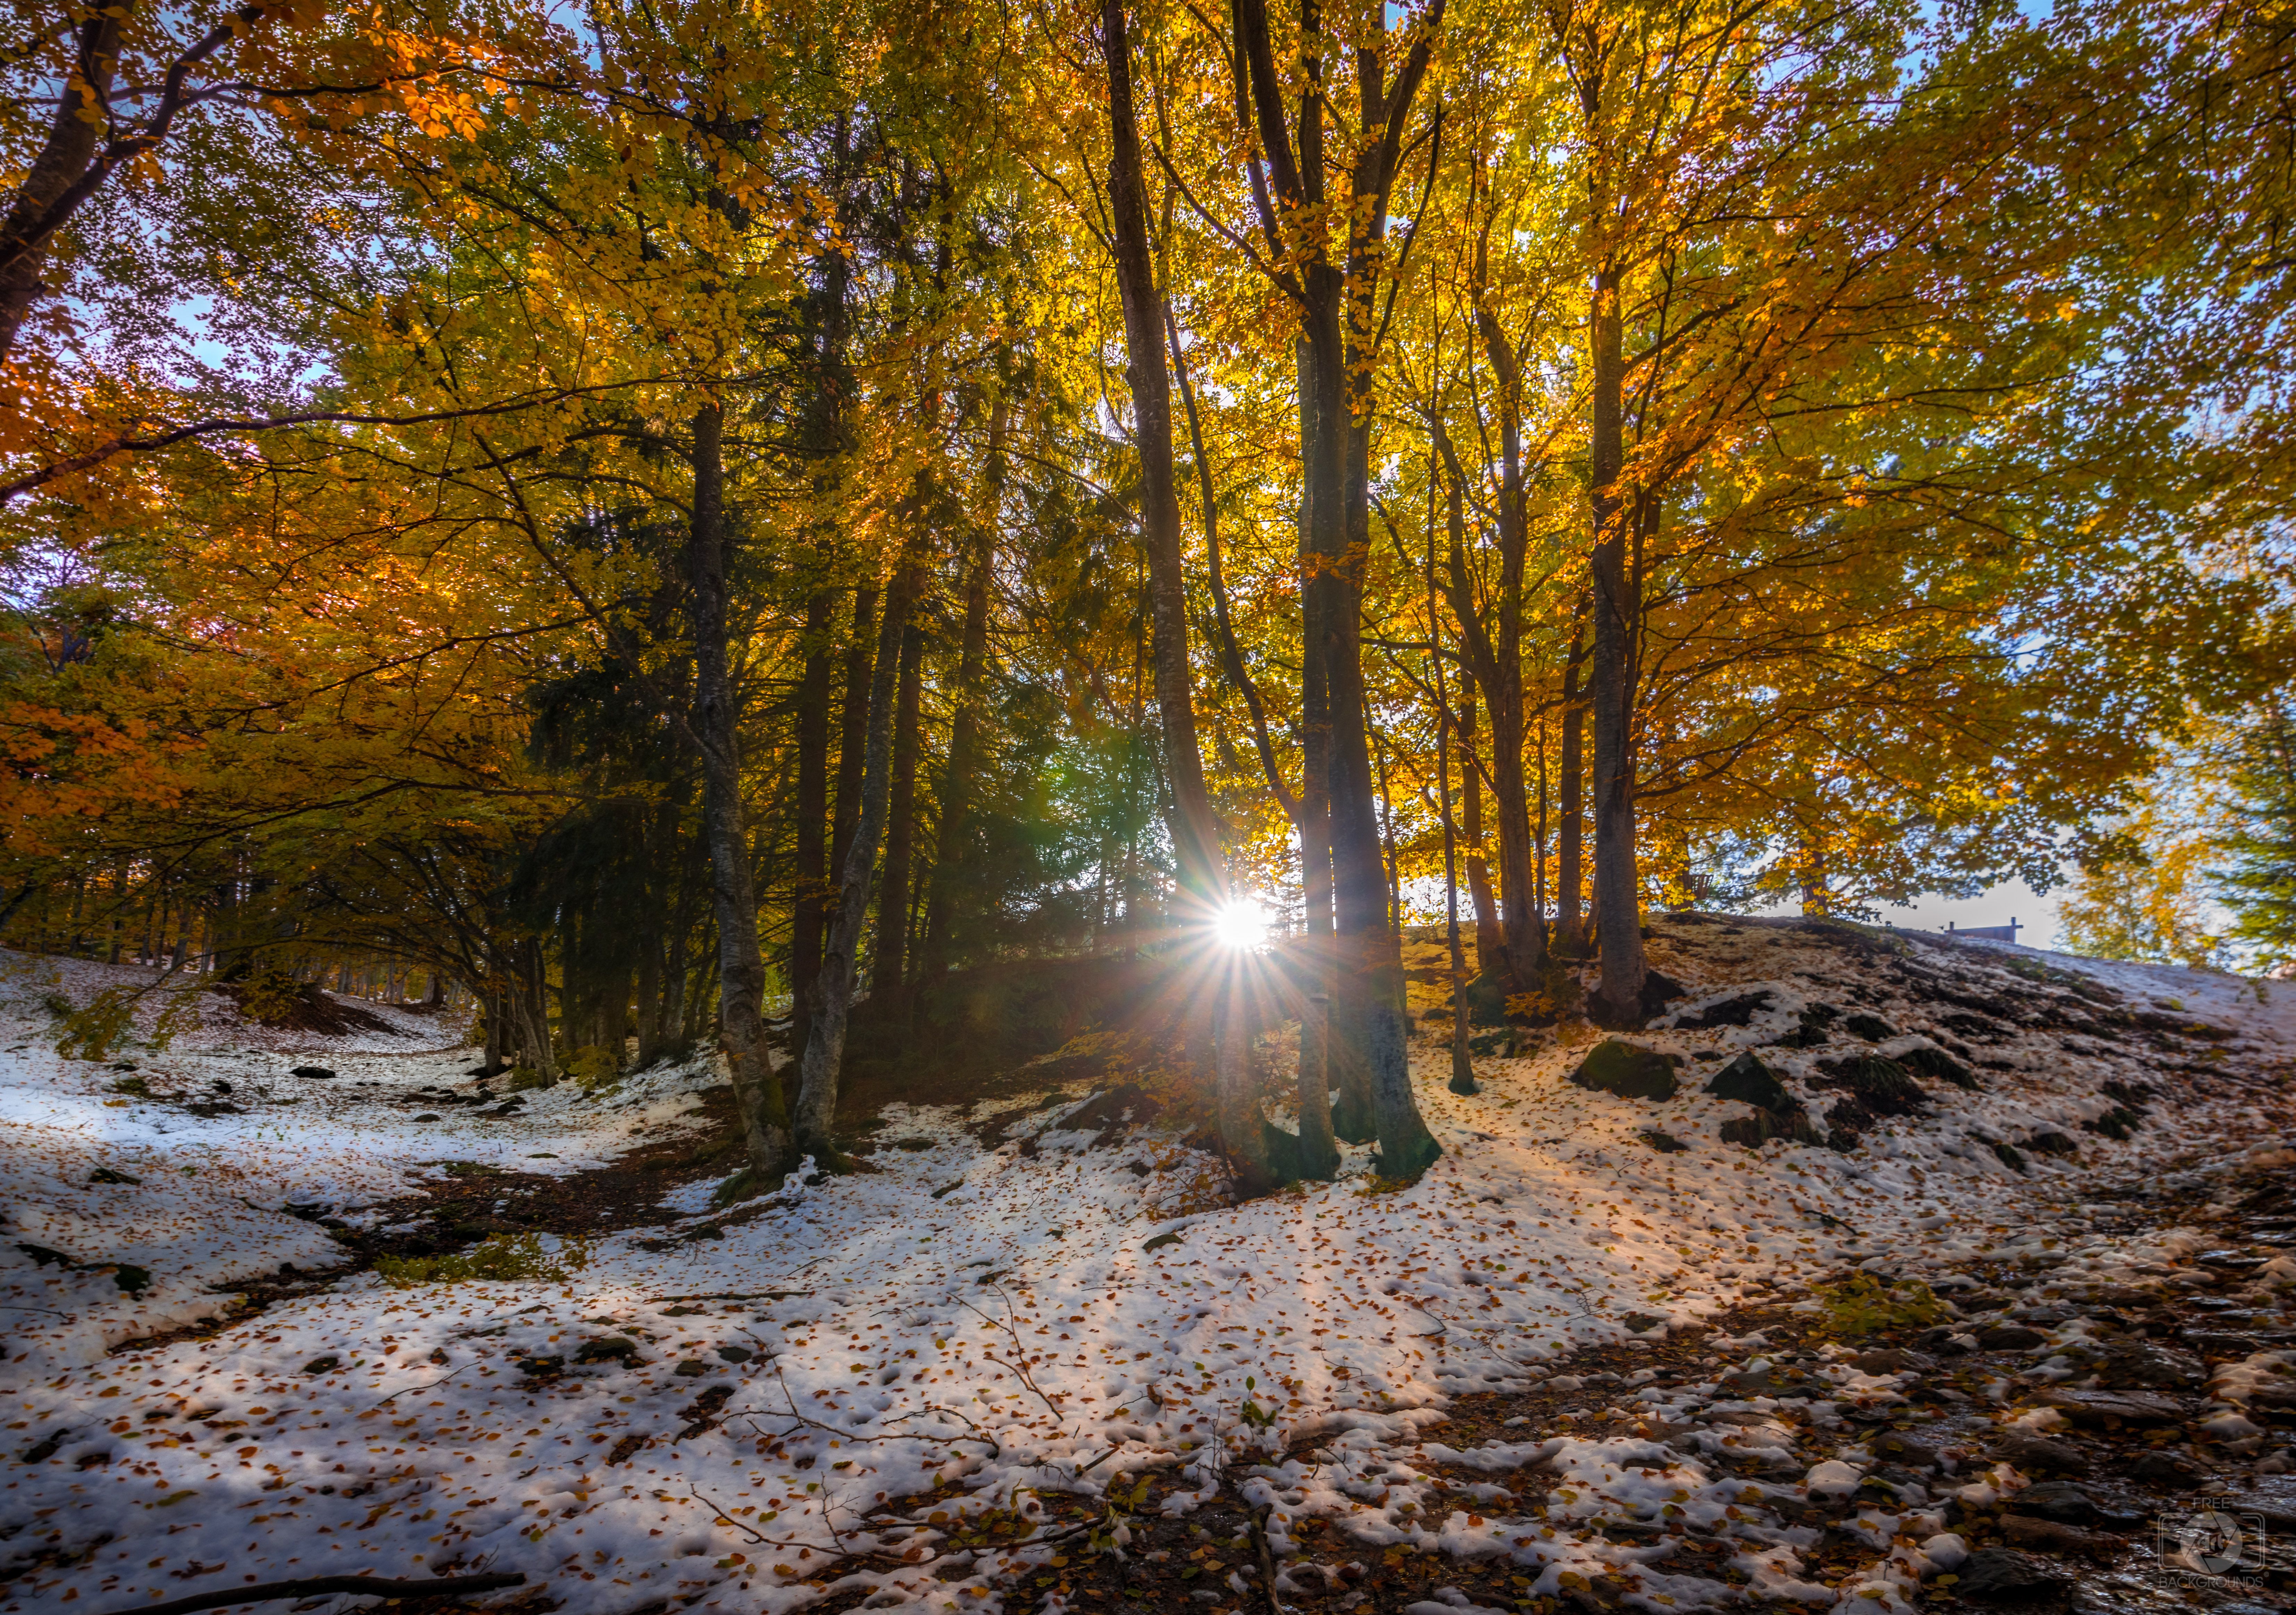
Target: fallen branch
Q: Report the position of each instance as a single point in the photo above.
(313, 1586)
(426, 1385)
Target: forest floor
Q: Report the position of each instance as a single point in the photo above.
(395, 1321)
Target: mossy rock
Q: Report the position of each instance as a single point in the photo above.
(1882, 1085)
(1871, 1028)
(1749, 1081)
(1754, 1131)
(1936, 1062)
(1615, 1067)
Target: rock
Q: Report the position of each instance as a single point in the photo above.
(2109, 1408)
(1879, 1085)
(108, 1175)
(1871, 1028)
(2039, 1453)
(1739, 1010)
(1664, 1143)
(428, 1116)
(1630, 1073)
(1946, 1550)
(1659, 990)
(2053, 1144)
(1903, 1449)
(1933, 1062)
(2010, 1337)
(608, 1348)
(735, 1354)
(1831, 1479)
(1890, 1359)
(1946, 1339)
(541, 1368)
(2148, 1363)
(693, 1368)
(2162, 1469)
(2272, 1498)
(2051, 1536)
(2005, 1574)
(1749, 1081)
(316, 1073)
(2058, 1500)
(2217, 1343)
(1111, 1113)
(1754, 1131)
(326, 1364)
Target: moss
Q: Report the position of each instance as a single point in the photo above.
(1864, 1305)
(505, 1258)
(592, 1069)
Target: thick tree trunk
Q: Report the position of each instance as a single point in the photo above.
(741, 964)
(890, 956)
(1570, 875)
(1325, 601)
(1319, 1127)
(1618, 884)
(1370, 953)
(1195, 832)
(63, 161)
(825, 1046)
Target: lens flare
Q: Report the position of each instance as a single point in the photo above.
(1241, 923)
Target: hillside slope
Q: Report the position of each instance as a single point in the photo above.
(925, 1384)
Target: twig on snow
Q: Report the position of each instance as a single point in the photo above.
(314, 1585)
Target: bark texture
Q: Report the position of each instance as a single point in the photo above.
(741, 965)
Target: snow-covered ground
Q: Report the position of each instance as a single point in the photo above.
(718, 1410)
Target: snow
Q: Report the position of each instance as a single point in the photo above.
(879, 1341)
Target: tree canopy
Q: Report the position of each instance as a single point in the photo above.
(679, 519)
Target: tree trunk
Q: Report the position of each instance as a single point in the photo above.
(852, 732)
(1570, 877)
(1479, 871)
(1370, 953)
(741, 964)
(1525, 952)
(891, 953)
(809, 884)
(1195, 833)
(964, 726)
(1319, 1067)
(79, 120)
(1463, 1065)
(1618, 895)
(824, 1046)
